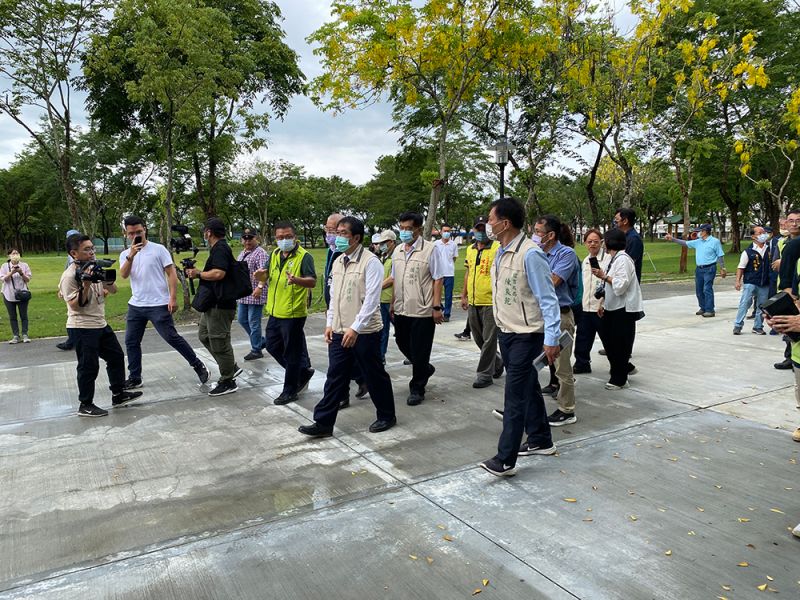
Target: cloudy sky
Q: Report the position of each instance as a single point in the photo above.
(346, 145)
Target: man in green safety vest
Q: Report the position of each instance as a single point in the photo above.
(290, 274)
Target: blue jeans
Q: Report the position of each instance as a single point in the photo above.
(523, 407)
(386, 326)
(448, 295)
(249, 316)
(750, 290)
(704, 286)
(161, 318)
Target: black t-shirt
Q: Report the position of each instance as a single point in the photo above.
(219, 257)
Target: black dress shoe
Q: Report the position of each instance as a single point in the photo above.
(406, 362)
(381, 425)
(344, 403)
(414, 399)
(284, 398)
(481, 383)
(315, 430)
(362, 390)
(550, 390)
(578, 369)
(65, 346)
(784, 364)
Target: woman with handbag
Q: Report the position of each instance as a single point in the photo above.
(621, 309)
(15, 276)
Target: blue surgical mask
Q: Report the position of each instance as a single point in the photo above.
(341, 243)
(480, 236)
(406, 236)
(763, 238)
(384, 248)
(445, 235)
(536, 240)
(286, 245)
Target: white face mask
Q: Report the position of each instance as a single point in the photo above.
(491, 233)
(762, 238)
(14, 258)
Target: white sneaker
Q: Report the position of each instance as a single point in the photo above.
(611, 386)
(14, 340)
(796, 531)
(26, 339)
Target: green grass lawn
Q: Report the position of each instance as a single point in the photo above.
(47, 313)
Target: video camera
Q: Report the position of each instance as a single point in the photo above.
(184, 243)
(96, 271)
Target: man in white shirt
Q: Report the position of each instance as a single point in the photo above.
(752, 279)
(154, 283)
(353, 332)
(448, 250)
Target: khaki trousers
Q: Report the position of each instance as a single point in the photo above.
(566, 379)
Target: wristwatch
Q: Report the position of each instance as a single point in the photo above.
(260, 286)
(437, 308)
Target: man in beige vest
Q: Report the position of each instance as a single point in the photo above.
(418, 277)
(353, 333)
(527, 314)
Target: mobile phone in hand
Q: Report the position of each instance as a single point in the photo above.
(137, 239)
(593, 262)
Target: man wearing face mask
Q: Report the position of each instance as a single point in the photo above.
(291, 275)
(214, 330)
(418, 274)
(753, 274)
(353, 333)
(386, 241)
(331, 255)
(476, 299)
(708, 254)
(448, 250)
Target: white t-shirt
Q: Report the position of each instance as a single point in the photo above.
(148, 281)
(448, 253)
(744, 259)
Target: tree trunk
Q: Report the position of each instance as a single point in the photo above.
(198, 184)
(590, 195)
(438, 184)
(168, 210)
(69, 190)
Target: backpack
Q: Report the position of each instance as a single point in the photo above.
(237, 282)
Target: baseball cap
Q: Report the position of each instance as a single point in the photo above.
(387, 235)
(706, 226)
(480, 221)
(73, 232)
(248, 234)
(767, 229)
(215, 226)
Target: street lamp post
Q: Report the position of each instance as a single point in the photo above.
(501, 149)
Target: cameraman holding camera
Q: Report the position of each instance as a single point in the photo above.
(216, 318)
(84, 287)
(154, 284)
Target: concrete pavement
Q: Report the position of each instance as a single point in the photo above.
(658, 491)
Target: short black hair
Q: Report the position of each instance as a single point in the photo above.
(615, 239)
(562, 230)
(75, 240)
(628, 214)
(794, 211)
(410, 216)
(284, 225)
(511, 209)
(216, 226)
(356, 226)
(131, 220)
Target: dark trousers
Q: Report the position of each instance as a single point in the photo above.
(414, 336)
(285, 340)
(523, 406)
(366, 355)
(387, 324)
(12, 308)
(90, 346)
(160, 317)
(448, 294)
(589, 326)
(704, 286)
(619, 328)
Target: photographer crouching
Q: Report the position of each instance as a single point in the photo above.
(84, 286)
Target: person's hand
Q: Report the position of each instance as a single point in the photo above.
(737, 286)
(724, 273)
(328, 335)
(776, 265)
(134, 249)
(551, 353)
(600, 312)
(192, 273)
(349, 338)
(172, 305)
(391, 313)
(260, 275)
(668, 237)
(599, 273)
(785, 323)
(291, 279)
(257, 292)
(438, 317)
(464, 302)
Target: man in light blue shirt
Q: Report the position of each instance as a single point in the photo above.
(708, 253)
(527, 314)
